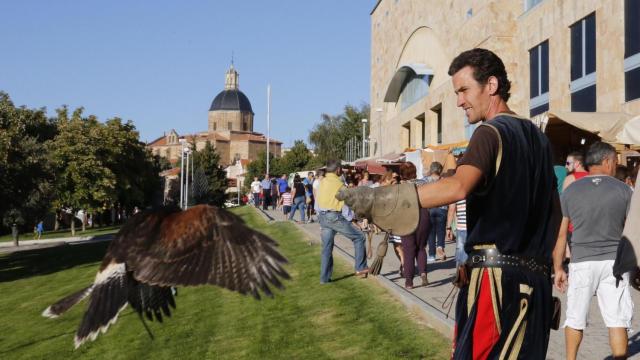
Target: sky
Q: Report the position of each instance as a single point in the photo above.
(161, 63)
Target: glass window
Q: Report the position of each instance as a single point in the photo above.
(632, 49)
(415, 89)
(583, 50)
(631, 27)
(632, 84)
(583, 64)
(539, 78)
(584, 99)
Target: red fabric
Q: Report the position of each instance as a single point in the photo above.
(485, 330)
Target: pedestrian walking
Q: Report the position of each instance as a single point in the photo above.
(597, 205)
(332, 222)
(299, 198)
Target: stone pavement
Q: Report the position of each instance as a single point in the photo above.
(429, 300)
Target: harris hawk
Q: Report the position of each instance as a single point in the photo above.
(158, 250)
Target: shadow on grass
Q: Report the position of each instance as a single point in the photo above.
(23, 264)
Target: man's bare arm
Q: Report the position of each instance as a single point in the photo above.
(561, 243)
(451, 189)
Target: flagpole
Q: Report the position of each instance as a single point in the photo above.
(268, 121)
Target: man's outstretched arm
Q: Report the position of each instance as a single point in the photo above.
(451, 189)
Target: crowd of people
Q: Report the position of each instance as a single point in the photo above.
(521, 225)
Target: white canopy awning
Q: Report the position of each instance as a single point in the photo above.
(611, 127)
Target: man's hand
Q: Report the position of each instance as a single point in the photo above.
(449, 234)
(560, 280)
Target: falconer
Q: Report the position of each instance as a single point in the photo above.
(507, 178)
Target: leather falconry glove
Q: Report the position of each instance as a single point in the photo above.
(394, 208)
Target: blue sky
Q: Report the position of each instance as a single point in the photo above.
(161, 63)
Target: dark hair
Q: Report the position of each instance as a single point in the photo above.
(333, 165)
(598, 152)
(320, 172)
(296, 178)
(288, 188)
(435, 168)
(407, 171)
(622, 173)
(577, 156)
(485, 64)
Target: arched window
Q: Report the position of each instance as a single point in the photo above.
(416, 88)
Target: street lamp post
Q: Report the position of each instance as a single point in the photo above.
(364, 138)
(186, 181)
(182, 142)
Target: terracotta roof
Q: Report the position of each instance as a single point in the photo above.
(170, 172)
(237, 135)
(162, 140)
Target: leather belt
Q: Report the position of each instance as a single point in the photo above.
(493, 258)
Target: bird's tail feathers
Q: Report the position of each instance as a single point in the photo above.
(66, 303)
(108, 298)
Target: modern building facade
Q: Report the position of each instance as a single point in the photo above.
(564, 56)
(230, 129)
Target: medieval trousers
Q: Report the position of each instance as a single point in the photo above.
(503, 313)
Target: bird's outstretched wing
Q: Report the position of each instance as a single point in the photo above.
(204, 245)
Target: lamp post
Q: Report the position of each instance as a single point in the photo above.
(186, 180)
(182, 142)
(364, 137)
(379, 111)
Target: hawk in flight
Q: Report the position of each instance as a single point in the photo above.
(157, 250)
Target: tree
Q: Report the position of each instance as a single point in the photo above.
(296, 159)
(332, 133)
(210, 180)
(82, 179)
(25, 184)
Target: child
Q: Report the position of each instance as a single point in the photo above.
(286, 202)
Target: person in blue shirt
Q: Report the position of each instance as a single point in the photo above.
(282, 185)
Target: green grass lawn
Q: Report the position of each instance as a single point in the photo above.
(348, 319)
(66, 233)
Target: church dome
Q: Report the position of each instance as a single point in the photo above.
(231, 99)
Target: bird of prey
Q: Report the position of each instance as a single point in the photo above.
(157, 250)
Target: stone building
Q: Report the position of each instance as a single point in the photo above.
(230, 129)
(561, 56)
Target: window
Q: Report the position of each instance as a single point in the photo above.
(422, 126)
(438, 110)
(583, 64)
(528, 4)
(416, 88)
(631, 49)
(539, 79)
(229, 125)
(214, 126)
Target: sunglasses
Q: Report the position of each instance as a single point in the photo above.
(569, 163)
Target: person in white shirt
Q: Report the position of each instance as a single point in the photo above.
(256, 189)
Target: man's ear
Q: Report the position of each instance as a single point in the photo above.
(493, 84)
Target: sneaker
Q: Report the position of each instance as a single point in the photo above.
(431, 259)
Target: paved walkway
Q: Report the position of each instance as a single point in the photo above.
(7, 247)
(429, 300)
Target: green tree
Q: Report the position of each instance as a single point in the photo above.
(330, 135)
(296, 159)
(210, 179)
(26, 176)
(83, 181)
(134, 167)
